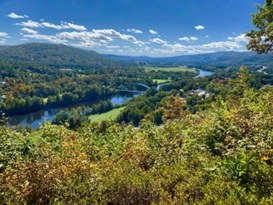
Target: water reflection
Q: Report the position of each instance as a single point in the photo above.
(121, 99)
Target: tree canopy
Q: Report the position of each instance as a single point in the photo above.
(261, 39)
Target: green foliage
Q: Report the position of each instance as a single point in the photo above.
(220, 155)
(261, 40)
(56, 55)
(138, 108)
(71, 119)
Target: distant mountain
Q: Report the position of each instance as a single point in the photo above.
(130, 58)
(218, 59)
(55, 55)
(224, 58)
(62, 56)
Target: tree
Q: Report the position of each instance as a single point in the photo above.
(173, 108)
(261, 39)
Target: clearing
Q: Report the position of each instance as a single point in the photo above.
(170, 69)
(111, 115)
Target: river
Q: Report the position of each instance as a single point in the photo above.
(204, 73)
(35, 119)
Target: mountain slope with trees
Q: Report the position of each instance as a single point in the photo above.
(55, 55)
(213, 61)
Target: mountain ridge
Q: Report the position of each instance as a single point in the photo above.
(55, 55)
(229, 58)
(59, 55)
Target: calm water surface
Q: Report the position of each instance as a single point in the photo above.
(204, 73)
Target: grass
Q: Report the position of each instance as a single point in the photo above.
(170, 69)
(111, 115)
(45, 100)
(160, 81)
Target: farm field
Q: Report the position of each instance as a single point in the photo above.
(161, 81)
(111, 115)
(170, 69)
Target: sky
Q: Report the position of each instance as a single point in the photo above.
(130, 27)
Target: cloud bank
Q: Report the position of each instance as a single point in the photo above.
(44, 24)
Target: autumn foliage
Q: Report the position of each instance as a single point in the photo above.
(221, 155)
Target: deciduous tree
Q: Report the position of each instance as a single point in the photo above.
(261, 39)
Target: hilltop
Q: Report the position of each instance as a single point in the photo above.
(208, 60)
(55, 55)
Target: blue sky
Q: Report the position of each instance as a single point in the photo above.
(130, 27)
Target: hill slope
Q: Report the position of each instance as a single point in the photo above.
(55, 55)
(220, 59)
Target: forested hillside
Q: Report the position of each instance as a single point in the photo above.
(55, 55)
(212, 61)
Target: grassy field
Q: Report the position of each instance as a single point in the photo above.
(160, 81)
(170, 69)
(111, 115)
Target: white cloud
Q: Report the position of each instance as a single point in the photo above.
(240, 38)
(170, 49)
(50, 25)
(43, 37)
(113, 46)
(16, 16)
(159, 41)
(30, 24)
(151, 31)
(133, 30)
(199, 27)
(76, 27)
(3, 37)
(44, 24)
(29, 31)
(207, 36)
(98, 36)
(221, 46)
(193, 38)
(188, 39)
